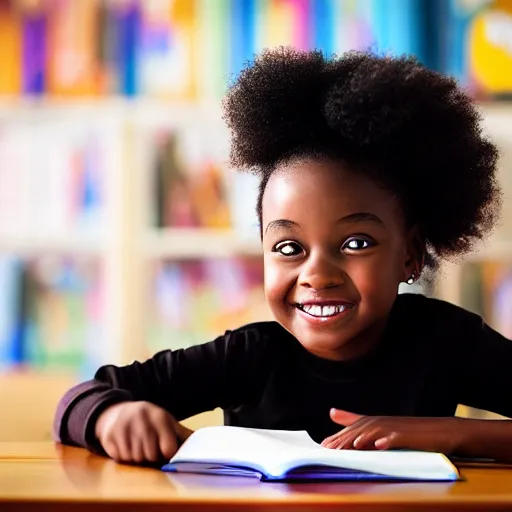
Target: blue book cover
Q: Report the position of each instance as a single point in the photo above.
(11, 318)
(34, 52)
(323, 26)
(127, 21)
(243, 33)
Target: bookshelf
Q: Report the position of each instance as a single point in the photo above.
(497, 119)
(176, 243)
(125, 241)
(33, 245)
(127, 244)
(126, 89)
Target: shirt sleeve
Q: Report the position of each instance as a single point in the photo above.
(185, 382)
(484, 367)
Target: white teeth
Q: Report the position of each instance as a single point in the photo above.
(328, 310)
(322, 311)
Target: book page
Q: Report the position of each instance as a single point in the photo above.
(267, 451)
(275, 452)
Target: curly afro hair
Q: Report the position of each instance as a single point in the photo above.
(410, 129)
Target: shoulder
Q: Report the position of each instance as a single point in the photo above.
(258, 336)
(252, 352)
(250, 340)
(428, 313)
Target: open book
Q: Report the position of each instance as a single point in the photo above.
(274, 455)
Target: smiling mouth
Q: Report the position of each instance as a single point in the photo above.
(323, 311)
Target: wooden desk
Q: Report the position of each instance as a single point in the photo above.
(50, 477)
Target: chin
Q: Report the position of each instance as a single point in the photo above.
(318, 343)
(332, 341)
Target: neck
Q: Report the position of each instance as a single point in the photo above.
(358, 346)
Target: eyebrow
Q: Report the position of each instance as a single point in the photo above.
(361, 217)
(282, 223)
(353, 217)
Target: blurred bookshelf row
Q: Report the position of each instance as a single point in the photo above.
(189, 49)
(58, 165)
(486, 289)
(53, 308)
(122, 230)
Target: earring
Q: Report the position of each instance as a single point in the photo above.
(411, 279)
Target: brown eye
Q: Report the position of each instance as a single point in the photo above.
(357, 244)
(288, 248)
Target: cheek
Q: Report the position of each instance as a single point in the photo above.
(276, 282)
(376, 278)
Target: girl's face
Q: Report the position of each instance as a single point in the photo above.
(335, 250)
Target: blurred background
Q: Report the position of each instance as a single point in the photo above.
(122, 230)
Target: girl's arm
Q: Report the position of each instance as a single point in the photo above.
(183, 382)
(485, 438)
(478, 361)
(483, 367)
(452, 436)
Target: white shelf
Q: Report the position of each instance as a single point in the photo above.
(497, 114)
(63, 244)
(141, 109)
(128, 246)
(189, 243)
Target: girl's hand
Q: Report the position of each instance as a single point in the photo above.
(139, 432)
(390, 432)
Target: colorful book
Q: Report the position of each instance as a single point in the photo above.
(324, 26)
(167, 49)
(73, 68)
(243, 34)
(219, 38)
(125, 36)
(10, 44)
(63, 314)
(34, 51)
(287, 24)
(11, 311)
(195, 300)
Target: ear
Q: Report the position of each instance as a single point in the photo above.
(415, 254)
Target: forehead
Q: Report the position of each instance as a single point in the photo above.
(326, 188)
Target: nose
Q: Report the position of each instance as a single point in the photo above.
(322, 271)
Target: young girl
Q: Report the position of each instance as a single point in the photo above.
(372, 169)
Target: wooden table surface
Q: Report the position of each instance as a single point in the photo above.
(48, 476)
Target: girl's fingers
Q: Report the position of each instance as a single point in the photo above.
(112, 450)
(342, 437)
(366, 440)
(167, 442)
(137, 450)
(344, 418)
(329, 442)
(124, 453)
(345, 440)
(390, 441)
(150, 447)
(334, 440)
(384, 443)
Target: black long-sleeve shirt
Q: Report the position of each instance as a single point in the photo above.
(432, 357)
